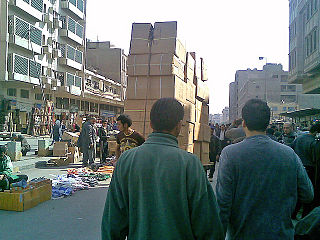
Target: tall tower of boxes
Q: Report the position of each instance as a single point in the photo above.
(159, 66)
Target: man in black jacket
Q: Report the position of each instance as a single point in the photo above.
(102, 133)
(214, 151)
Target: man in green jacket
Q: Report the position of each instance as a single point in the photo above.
(159, 191)
(6, 169)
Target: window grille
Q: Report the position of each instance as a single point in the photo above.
(78, 81)
(37, 4)
(80, 5)
(35, 69)
(21, 65)
(22, 28)
(71, 25)
(73, 2)
(78, 57)
(70, 79)
(79, 30)
(35, 35)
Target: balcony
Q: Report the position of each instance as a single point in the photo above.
(23, 69)
(57, 23)
(25, 35)
(48, 18)
(71, 29)
(32, 7)
(74, 6)
(71, 57)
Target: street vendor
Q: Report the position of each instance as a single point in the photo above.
(6, 169)
(25, 146)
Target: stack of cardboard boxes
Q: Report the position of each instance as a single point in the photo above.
(159, 66)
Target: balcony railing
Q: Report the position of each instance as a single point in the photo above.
(23, 69)
(70, 53)
(75, 6)
(24, 34)
(71, 29)
(32, 7)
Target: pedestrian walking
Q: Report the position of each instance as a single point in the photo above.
(87, 142)
(288, 135)
(235, 131)
(56, 132)
(128, 138)
(159, 191)
(214, 151)
(259, 181)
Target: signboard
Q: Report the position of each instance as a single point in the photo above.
(75, 90)
(106, 113)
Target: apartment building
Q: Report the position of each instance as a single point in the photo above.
(271, 85)
(42, 57)
(304, 54)
(109, 61)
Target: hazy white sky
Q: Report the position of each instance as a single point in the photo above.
(230, 35)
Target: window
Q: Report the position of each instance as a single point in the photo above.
(48, 97)
(311, 42)
(291, 88)
(274, 109)
(275, 76)
(291, 109)
(38, 96)
(288, 98)
(284, 109)
(257, 86)
(12, 92)
(24, 93)
(284, 78)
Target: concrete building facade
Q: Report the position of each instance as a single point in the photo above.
(271, 85)
(42, 55)
(109, 61)
(304, 52)
(233, 101)
(225, 115)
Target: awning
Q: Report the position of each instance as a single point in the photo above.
(301, 113)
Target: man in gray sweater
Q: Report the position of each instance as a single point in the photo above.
(259, 182)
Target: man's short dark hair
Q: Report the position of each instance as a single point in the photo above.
(238, 122)
(315, 128)
(123, 118)
(165, 114)
(270, 131)
(256, 115)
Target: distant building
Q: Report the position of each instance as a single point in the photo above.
(217, 118)
(225, 115)
(109, 61)
(304, 54)
(271, 85)
(233, 101)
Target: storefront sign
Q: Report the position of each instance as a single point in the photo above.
(75, 90)
(107, 113)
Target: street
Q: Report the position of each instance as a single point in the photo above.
(77, 217)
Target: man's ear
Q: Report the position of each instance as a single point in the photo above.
(244, 124)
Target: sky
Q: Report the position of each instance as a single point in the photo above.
(230, 35)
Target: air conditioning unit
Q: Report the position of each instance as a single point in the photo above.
(50, 41)
(57, 23)
(50, 10)
(56, 53)
(47, 18)
(46, 49)
(50, 72)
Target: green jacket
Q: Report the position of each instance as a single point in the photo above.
(6, 166)
(159, 191)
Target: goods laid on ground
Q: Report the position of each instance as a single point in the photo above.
(23, 196)
(79, 179)
(159, 66)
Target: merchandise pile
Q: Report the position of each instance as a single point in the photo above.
(79, 179)
(160, 66)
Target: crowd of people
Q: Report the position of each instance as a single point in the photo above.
(159, 191)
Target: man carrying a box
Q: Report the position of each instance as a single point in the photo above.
(159, 191)
(6, 169)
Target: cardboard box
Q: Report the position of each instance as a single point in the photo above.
(14, 150)
(26, 199)
(202, 91)
(140, 38)
(187, 134)
(112, 146)
(204, 71)
(189, 112)
(165, 30)
(60, 149)
(74, 157)
(70, 136)
(158, 65)
(169, 45)
(156, 87)
(191, 92)
(205, 160)
(201, 150)
(189, 67)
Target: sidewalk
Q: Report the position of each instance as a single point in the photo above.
(29, 162)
